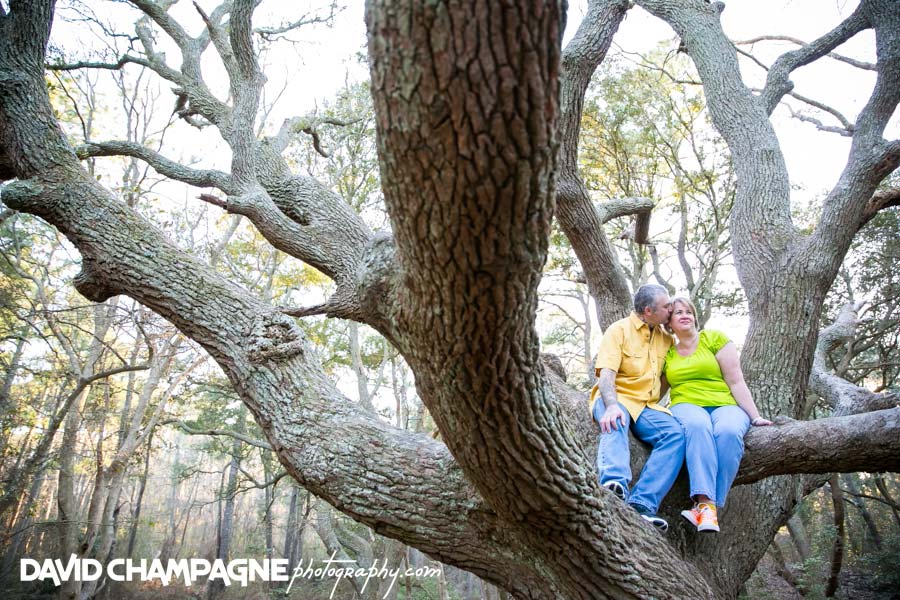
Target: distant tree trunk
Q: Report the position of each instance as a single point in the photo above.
(781, 565)
(837, 552)
(797, 531)
(67, 524)
(850, 482)
(167, 550)
(883, 490)
(290, 529)
(138, 502)
(362, 386)
(21, 527)
(442, 585)
(394, 552)
(8, 378)
(268, 501)
(226, 527)
(297, 550)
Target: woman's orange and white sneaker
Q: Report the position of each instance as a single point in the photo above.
(692, 515)
(707, 518)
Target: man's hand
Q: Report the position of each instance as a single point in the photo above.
(612, 418)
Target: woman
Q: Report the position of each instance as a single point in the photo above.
(709, 397)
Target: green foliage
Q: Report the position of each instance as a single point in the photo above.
(869, 274)
(881, 567)
(646, 133)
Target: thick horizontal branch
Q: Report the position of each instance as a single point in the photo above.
(621, 207)
(881, 200)
(868, 442)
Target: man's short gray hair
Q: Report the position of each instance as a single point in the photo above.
(646, 296)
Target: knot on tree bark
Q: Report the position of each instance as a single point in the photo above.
(20, 195)
(90, 282)
(374, 276)
(274, 336)
(554, 363)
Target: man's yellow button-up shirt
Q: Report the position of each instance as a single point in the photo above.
(637, 354)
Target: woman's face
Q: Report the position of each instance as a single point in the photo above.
(682, 318)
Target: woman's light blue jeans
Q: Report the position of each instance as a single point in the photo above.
(656, 428)
(715, 445)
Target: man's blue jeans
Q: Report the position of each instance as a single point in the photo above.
(715, 445)
(660, 430)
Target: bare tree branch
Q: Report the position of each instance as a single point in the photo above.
(308, 125)
(777, 82)
(843, 396)
(124, 60)
(162, 165)
(786, 38)
(848, 127)
(270, 33)
(217, 432)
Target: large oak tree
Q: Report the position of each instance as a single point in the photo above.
(478, 111)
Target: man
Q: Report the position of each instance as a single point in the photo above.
(629, 364)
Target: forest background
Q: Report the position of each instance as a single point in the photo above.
(120, 436)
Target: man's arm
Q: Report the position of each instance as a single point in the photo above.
(613, 414)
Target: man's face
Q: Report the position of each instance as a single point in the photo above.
(659, 312)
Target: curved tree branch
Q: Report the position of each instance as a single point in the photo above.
(859, 64)
(777, 82)
(217, 432)
(162, 165)
(621, 207)
(578, 218)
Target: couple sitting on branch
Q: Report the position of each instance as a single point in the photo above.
(710, 410)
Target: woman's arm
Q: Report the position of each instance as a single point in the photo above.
(663, 387)
(734, 377)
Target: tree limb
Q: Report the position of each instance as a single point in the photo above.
(217, 432)
(867, 443)
(578, 218)
(846, 128)
(620, 207)
(123, 60)
(777, 82)
(162, 165)
(859, 64)
(881, 200)
(843, 396)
